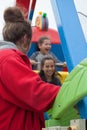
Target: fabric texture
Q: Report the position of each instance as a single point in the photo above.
(23, 95)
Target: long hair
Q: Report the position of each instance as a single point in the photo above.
(41, 73)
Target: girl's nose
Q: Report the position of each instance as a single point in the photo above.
(50, 68)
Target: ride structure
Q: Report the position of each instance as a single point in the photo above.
(41, 28)
(74, 48)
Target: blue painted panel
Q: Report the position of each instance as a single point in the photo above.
(33, 48)
(82, 105)
(57, 50)
(71, 36)
(70, 31)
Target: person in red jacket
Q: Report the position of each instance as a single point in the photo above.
(24, 97)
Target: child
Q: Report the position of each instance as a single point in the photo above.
(44, 45)
(48, 72)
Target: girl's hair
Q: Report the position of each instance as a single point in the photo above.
(41, 39)
(46, 58)
(15, 25)
(42, 64)
(55, 74)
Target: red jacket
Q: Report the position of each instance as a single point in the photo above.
(23, 95)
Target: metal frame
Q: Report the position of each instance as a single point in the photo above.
(72, 38)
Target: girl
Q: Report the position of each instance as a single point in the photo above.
(44, 46)
(48, 72)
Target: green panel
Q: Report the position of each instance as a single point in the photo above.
(72, 91)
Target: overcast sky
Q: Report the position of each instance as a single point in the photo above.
(45, 6)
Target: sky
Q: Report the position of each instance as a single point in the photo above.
(45, 6)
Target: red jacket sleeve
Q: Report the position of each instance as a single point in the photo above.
(23, 87)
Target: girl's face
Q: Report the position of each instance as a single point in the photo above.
(48, 68)
(45, 46)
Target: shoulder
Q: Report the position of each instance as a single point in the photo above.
(12, 54)
(53, 55)
(35, 54)
(56, 78)
(57, 81)
(9, 53)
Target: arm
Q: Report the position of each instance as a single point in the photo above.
(24, 88)
(58, 62)
(34, 55)
(33, 60)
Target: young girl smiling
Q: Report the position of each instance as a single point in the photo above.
(48, 72)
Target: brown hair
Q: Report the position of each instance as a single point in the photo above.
(41, 39)
(46, 58)
(15, 25)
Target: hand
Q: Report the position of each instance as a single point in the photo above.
(64, 64)
(33, 62)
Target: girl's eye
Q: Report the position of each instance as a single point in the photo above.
(52, 66)
(47, 66)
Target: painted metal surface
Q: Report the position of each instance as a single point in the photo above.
(72, 38)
